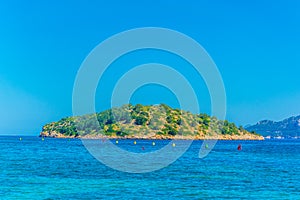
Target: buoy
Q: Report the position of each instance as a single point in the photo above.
(20, 138)
(117, 142)
(43, 139)
(239, 147)
(206, 146)
(174, 145)
(134, 142)
(153, 143)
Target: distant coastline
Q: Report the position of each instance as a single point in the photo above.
(286, 129)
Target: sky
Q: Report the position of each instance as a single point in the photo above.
(255, 45)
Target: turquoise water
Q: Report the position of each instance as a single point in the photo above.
(63, 169)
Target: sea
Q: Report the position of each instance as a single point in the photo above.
(36, 168)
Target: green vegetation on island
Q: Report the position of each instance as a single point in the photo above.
(139, 121)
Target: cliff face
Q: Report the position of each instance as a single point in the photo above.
(286, 128)
(155, 122)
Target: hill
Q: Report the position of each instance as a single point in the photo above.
(139, 121)
(288, 128)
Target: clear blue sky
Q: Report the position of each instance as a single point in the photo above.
(255, 45)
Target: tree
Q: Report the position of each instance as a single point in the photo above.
(170, 130)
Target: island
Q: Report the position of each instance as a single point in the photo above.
(147, 122)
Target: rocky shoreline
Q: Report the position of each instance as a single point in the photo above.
(158, 137)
